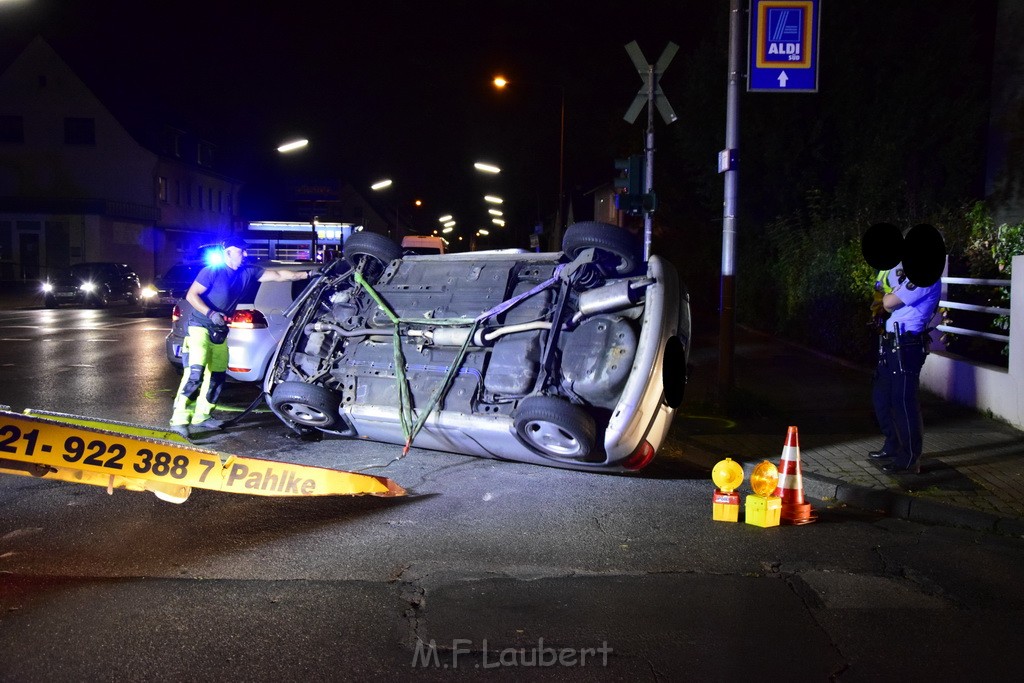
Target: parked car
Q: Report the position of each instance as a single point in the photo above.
(169, 287)
(92, 284)
(254, 331)
(575, 359)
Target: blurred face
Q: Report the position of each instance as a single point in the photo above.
(233, 257)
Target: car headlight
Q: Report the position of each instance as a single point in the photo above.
(87, 287)
(148, 292)
(47, 287)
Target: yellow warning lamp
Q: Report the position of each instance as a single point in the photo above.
(764, 509)
(727, 475)
(764, 479)
(725, 504)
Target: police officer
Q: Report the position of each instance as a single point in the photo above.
(901, 352)
(213, 296)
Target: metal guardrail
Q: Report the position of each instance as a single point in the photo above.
(992, 310)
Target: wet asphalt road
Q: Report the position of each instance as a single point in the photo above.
(503, 569)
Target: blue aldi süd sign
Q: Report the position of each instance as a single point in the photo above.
(784, 45)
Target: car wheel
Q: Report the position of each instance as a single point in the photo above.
(372, 251)
(619, 249)
(555, 428)
(309, 405)
(101, 299)
(132, 298)
(50, 302)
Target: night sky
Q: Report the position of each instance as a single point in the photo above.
(384, 88)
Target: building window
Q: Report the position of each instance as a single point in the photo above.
(199, 191)
(220, 201)
(12, 129)
(204, 154)
(79, 131)
(170, 141)
(209, 199)
(161, 188)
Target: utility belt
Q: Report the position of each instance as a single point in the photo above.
(218, 333)
(887, 340)
(905, 337)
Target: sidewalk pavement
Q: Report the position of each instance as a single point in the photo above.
(972, 470)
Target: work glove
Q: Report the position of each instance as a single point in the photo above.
(217, 318)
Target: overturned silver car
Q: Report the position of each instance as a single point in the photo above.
(574, 359)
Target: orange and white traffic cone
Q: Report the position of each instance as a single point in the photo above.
(791, 485)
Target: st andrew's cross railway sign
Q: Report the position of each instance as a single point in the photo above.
(784, 45)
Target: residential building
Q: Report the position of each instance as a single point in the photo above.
(77, 186)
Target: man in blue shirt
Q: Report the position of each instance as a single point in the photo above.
(213, 296)
(901, 353)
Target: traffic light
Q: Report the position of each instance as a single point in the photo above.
(633, 201)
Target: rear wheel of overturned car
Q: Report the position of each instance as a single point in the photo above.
(618, 251)
(556, 429)
(374, 252)
(308, 405)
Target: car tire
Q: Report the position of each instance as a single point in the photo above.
(556, 429)
(50, 302)
(621, 248)
(132, 298)
(373, 251)
(308, 405)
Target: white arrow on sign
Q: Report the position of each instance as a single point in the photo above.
(783, 79)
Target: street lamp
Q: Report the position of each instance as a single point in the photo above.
(384, 184)
(292, 145)
(500, 82)
(486, 168)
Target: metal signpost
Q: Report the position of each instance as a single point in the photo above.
(783, 57)
(651, 95)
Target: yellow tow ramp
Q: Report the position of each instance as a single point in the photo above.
(118, 455)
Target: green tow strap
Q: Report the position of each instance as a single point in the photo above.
(411, 427)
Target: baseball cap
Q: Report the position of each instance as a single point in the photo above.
(234, 241)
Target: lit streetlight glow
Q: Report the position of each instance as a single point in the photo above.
(381, 184)
(482, 231)
(495, 212)
(492, 199)
(292, 146)
(449, 224)
(445, 218)
(446, 231)
(498, 221)
(500, 82)
(486, 168)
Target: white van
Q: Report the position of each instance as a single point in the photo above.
(423, 244)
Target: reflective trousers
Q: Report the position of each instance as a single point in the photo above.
(894, 394)
(205, 371)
